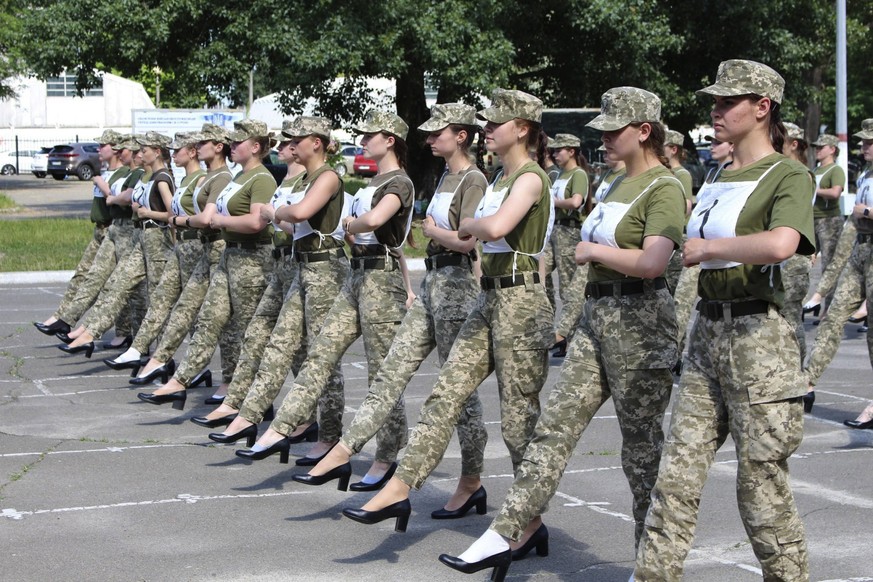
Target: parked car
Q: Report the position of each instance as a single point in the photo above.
(39, 162)
(364, 166)
(79, 159)
(7, 161)
(348, 151)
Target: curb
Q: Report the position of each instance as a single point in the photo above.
(36, 277)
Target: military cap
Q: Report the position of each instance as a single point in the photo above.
(248, 129)
(674, 137)
(443, 115)
(866, 130)
(740, 77)
(306, 125)
(621, 106)
(109, 136)
(184, 139)
(508, 104)
(154, 139)
(794, 131)
(826, 139)
(127, 142)
(564, 140)
(212, 132)
(376, 121)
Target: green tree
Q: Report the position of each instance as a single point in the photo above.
(11, 58)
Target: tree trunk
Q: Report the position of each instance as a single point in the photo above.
(813, 112)
(424, 168)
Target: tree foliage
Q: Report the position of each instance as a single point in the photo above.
(11, 57)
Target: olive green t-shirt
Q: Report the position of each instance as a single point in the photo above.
(130, 180)
(212, 185)
(393, 232)
(781, 199)
(100, 213)
(258, 188)
(326, 219)
(189, 183)
(577, 184)
(864, 196)
(472, 185)
(832, 175)
(606, 180)
(156, 201)
(529, 234)
(684, 177)
(658, 212)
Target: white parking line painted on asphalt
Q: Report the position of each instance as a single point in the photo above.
(700, 554)
(103, 450)
(596, 506)
(41, 387)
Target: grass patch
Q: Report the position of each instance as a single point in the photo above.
(43, 244)
(7, 203)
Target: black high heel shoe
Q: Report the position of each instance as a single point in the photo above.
(858, 424)
(500, 562)
(343, 473)
(163, 372)
(64, 337)
(400, 510)
(53, 328)
(213, 422)
(177, 398)
(204, 376)
(808, 401)
(87, 348)
(281, 446)
(858, 319)
(128, 341)
(214, 399)
(815, 309)
(539, 540)
(250, 433)
(560, 349)
(479, 500)
(134, 365)
(361, 486)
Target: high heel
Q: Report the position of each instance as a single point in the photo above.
(250, 433)
(479, 500)
(808, 401)
(213, 422)
(858, 424)
(342, 472)
(128, 341)
(214, 399)
(858, 319)
(500, 562)
(163, 372)
(814, 308)
(203, 376)
(177, 398)
(116, 365)
(539, 540)
(281, 446)
(361, 486)
(53, 328)
(400, 510)
(87, 348)
(65, 338)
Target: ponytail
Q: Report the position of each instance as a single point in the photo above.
(474, 133)
(655, 142)
(778, 133)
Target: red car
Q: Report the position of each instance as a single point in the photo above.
(364, 166)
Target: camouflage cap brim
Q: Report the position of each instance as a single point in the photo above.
(608, 122)
(494, 115)
(863, 135)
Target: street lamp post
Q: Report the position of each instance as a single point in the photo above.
(157, 71)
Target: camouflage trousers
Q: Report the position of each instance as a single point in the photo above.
(623, 348)
(740, 378)
(180, 265)
(560, 255)
(685, 297)
(795, 279)
(508, 332)
(145, 262)
(371, 304)
(675, 267)
(230, 302)
(831, 274)
(446, 297)
(854, 287)
(260, 329)
(827, 234)
(187, 307)
(572, 305)
(82, 270)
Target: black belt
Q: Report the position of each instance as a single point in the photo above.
(282, 251)
(208, 237)
(122, 221)
(569, 222)
(188, 234)
(147, 225)
(718, 309)
(249, 246)
(864, 238)
(445, 260)
(489, 283)
(320, 256)
(373, 263)
(623, 288)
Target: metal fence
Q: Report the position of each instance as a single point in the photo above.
(16, 153)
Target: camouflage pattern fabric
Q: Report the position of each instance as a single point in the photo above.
(853, 288)
(831, 274)
(572, 307)
(81, 272)
(444, 114)
(866, 130)
(154, 139)
(827, 236)
(685, 297)
(307, 125)
(826, 139)
(564, 140)
(740, 77)
(795, 279)
(560, 255)
(248, 129)
(508, 332)
(110, 136)
(509, 104)
(187, 307)
(622, 106)
(623, 348)
(376, 121)
(371, 304)
(229, 304)
(446, 297)
(674, 270)
(740, 378)
(260, 329)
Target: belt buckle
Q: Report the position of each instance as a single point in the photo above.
(726, 313)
